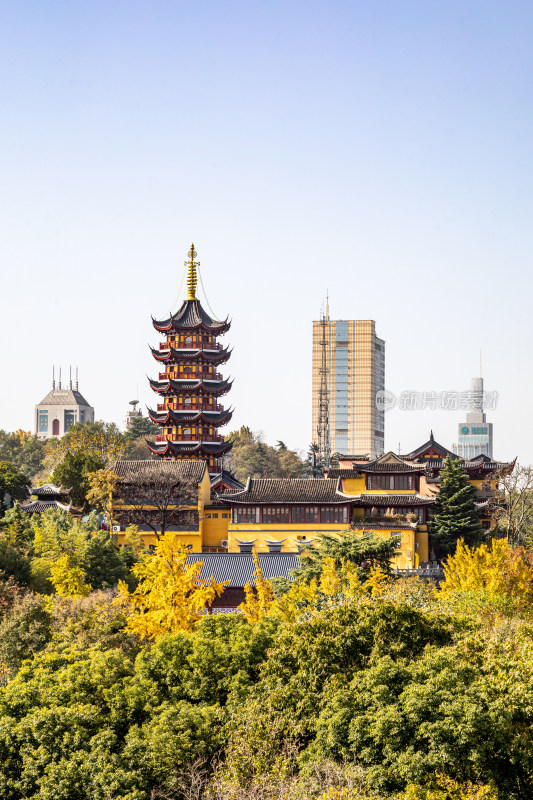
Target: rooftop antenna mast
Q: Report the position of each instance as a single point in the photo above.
(324, 445)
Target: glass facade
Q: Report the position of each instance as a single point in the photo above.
(42, 421)
(340, 443)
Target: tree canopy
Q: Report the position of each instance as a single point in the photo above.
(251, 457)
(24, 450)
(455, 516)
(13, 485)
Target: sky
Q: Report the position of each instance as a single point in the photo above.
(381, 151)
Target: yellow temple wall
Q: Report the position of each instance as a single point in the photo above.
(353, 485)
(215, 527)
(290, 532)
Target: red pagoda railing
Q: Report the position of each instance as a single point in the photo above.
(191, 345)
(190, 407)
(210, 376)
(170, 437)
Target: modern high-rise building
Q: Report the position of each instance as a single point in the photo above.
(475, 435)
(355, 373)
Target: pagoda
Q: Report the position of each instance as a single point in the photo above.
(190, 415)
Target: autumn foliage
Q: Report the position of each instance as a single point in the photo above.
(497, 569)
(170, 595)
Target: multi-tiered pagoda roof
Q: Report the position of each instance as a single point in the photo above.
(189, 415)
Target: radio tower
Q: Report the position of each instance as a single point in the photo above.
(324, 447)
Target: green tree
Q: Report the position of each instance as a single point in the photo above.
(140, 427)
(14, 559)
(24, 631)
(455, 516)
(364, 552)
(104, 565)
(73, 473)
(290, 463)
(23, 450)
(94, 620)
(87, 548)
(13, 486)
(102, 441)
(252, 457)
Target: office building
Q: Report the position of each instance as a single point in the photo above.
(60, 409)
(353, 358)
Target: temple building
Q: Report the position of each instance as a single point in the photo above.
(189, 414)
(48, 496)
(60, 409)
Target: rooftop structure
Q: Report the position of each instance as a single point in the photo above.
(61, 408)
(189, 415)
(132, 414)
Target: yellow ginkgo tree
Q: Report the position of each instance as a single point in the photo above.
(497, 569)
(259, 599)
(171, 596)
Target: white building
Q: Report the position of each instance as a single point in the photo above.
(60, 409)
(475, 434)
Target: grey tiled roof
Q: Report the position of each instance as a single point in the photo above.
(344, 473)
(39, 506)
(399, 465)
(238, 568)
(205, 384)
(228, 478)
(376, 524)
(288, 490)
(394, 500)
(180, 470)
(191, 314)
(49, 490)
(430, 444)
(64, 397)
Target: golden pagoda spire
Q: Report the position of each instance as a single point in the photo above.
(191, 265)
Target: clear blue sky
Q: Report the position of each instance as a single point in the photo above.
(381, 150)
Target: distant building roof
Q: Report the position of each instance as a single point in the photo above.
(64, 397)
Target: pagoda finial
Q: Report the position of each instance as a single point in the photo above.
(191, 265)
